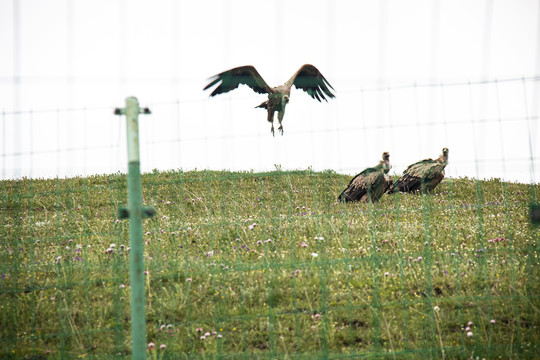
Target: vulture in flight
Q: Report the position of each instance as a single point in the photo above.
(370, 184)
(424, 175)
(307, 78)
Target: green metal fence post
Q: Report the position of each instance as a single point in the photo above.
(135, 213)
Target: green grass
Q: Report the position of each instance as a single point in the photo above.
(272, 267)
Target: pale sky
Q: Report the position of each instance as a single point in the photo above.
(410, 77)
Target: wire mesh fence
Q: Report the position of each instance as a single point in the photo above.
(490, 125)
(245, 263)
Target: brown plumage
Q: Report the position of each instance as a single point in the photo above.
(424, 175)
(370, 184)
(307, 78)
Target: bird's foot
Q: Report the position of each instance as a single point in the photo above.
(280, 129)
(272, 130)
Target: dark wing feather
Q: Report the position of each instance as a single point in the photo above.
(309, 79)
(366, 186)
(355, 190)
(428, 173)
(437, 178)
(231, 79)
(376, 186)
(407, 183)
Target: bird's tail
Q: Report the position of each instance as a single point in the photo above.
(393, 187)
(264, 105)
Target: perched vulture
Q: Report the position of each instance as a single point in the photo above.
(307, 78)
(370, 184)
(424, 175)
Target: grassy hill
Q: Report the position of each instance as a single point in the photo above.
(245, 265)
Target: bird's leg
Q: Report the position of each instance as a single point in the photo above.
(280, 119)
(271, 116)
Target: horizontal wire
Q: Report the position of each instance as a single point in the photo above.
(255, 135)
(530, 78)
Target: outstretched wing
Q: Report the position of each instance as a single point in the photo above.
(309, 79)
(230, 79)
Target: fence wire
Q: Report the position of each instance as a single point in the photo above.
(244, 264)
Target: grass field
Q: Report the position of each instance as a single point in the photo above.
(243, 265)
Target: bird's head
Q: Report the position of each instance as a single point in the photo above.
(285, 100)
(386, 162)
(445, 155)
